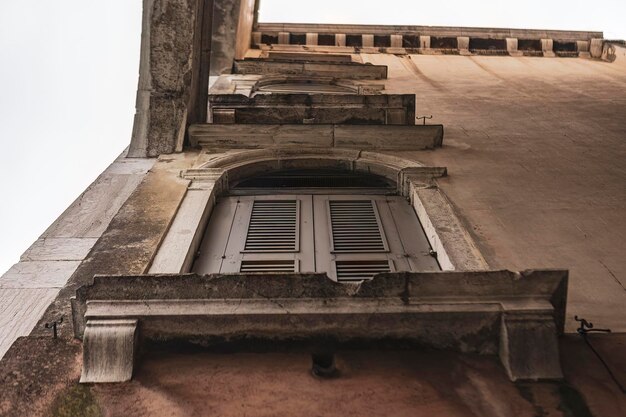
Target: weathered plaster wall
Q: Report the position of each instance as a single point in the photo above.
(36, 369)
(535, 154)
(378, 383)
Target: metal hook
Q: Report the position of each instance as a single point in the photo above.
(53, 326)
(424, 118)
(587, 326)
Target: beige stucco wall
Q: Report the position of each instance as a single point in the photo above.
(534, 149)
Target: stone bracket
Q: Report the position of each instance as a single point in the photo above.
(529, 348)
(109, 350)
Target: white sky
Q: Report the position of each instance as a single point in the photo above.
(68, 76)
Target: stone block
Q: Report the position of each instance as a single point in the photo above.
(284, 38)
(311, 39)
(547, 47)
(511, 47)
(256, 38)
(109, 350)
(583, 49)
(595, 48)
(340, 39)
(59, 249)
(396, 41)
(367, 41)
(424, 42)
(463, 44)
(39, 274)
(223, 116)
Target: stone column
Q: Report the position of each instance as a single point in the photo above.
(424, 42)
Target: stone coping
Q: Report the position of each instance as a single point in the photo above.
(310, 67)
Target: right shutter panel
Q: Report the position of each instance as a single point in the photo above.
(358, 245)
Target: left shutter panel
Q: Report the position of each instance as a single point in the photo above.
(273, 226)
(271, 239)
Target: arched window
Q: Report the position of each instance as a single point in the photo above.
(347, 224)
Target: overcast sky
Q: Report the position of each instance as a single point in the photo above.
(68, 77)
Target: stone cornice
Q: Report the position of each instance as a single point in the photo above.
(379, 137)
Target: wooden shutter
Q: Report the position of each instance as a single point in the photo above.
(349, 237)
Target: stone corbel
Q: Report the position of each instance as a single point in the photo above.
(424, 43)
(511, 47)
(529, 348)
(583, 49)
(109, 350)
(547, 47)
(463, 45)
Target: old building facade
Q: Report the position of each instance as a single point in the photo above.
(339, 220)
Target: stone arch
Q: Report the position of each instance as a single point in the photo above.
(248, 163)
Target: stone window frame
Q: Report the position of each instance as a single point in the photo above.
(454, 246)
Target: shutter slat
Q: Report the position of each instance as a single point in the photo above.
(355, 226)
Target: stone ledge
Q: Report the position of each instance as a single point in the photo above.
(485, 312)
(380, 137)
(310, 67)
